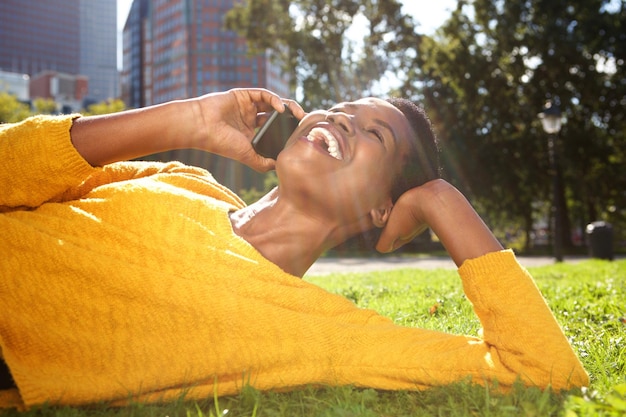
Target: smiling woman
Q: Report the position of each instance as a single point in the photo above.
(138, 281)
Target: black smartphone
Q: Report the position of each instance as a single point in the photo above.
(270, 139)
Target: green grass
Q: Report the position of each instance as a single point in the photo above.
(588, 299)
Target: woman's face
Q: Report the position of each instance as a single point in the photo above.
(343, 160)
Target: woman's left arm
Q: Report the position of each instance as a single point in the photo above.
(520, 333)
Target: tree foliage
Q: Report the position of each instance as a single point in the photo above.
(486, 74)
(317, 44)
(105, 107)
(44, 106)
(11, 109)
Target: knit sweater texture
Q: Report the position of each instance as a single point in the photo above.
(126, 282)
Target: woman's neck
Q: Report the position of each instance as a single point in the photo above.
(284, 235)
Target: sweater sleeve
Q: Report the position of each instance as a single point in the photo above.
(518, 327)
(521, 339)
(40, 164)
(38, 161)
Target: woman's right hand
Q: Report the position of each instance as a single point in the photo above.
(229, 121)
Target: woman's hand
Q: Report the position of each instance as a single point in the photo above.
(229, 120)
(440, 206)
(405, 222)
(221, 123)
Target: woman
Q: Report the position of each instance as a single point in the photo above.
(143, 281)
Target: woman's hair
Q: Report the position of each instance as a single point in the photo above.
(422, 162)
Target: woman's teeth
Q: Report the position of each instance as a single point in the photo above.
(325, 136)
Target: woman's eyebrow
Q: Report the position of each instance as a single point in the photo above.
(353, 106)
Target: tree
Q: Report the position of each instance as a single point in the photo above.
(105, 107)
(11, 109)
(44, 106)
(486, 74)
(310, 38)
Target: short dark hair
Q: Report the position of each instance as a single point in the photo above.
(422, 162)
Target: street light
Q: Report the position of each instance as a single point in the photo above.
(551, 120)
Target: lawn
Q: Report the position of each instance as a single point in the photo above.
(588, 298)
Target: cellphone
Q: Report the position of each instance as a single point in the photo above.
(270, 139)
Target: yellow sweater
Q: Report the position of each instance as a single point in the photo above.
(128, 282)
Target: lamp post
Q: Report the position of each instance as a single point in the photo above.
(551, 121)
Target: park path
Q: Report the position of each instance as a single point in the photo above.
(325, 266)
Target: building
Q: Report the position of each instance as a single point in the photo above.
(98, 48)
(175, 49)
(75, 37)
(67, 90)
(16, 84)
(135, 80)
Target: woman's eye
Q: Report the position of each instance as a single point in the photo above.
(378, 135)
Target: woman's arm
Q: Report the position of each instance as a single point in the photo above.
(220, 123)
(520, 336)
(440, 206)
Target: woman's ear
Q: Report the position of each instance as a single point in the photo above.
(381, 214)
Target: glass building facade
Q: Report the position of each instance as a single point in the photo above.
(176, 49)
(67, 36)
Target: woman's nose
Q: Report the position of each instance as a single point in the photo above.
(342, 121)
